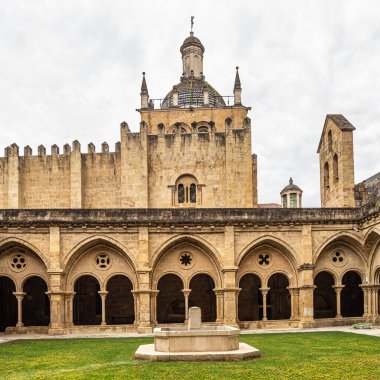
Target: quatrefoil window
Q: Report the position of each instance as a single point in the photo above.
(264, 259)
(186, 259)
(103, 261)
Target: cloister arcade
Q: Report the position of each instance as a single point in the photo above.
(101, 285)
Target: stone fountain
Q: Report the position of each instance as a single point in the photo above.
(196, 343)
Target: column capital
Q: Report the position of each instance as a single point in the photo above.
(230, 269)
(19, 295)
(186, 292)
(338, 288)
(103, 293)
(227, 290)
(264, 291)
(293, 290)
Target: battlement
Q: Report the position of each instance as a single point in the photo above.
(14, 150)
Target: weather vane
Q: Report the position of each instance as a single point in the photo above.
(192, 22)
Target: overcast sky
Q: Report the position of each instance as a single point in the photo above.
(72, 70)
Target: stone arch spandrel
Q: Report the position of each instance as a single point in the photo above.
(15, 241)
(93, 241)
(280, 256)
(280, 244)
(352, 260)
(372, 242)
(102, 260)
(347, 237)
(19, 262)
(185, 257)
(198, 241)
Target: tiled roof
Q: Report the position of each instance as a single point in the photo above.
(269, 205)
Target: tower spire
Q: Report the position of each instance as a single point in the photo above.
(237, 88)
(192, 24)
(144, 87)
(144, 93)
(237, 84)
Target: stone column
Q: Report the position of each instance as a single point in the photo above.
(56, 312)
(338, 290)
(294, 292)
(219, 305)
(55, 292)
(230, 290)
(264, 292)
(375, 301)
(367, 298)
(136, 308)
(19, 296)
(143, 298)
(103, 296)
(186, 293)
(69, 309)
(153, 300)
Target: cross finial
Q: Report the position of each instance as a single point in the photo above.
(192, 22)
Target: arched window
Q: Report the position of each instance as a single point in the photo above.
(203, 129)
(181, 193)
(186, 191)
(193, 193)
(335, 168)
(326, 176)
(329, 140)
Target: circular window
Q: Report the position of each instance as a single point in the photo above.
(264, 260)
(102, 261)
(186, 260)
(17, 262)
(338, 257)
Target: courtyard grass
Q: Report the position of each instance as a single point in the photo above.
(326, 355)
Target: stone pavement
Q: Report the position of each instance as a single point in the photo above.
(4, 338)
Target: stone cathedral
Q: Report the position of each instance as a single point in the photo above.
(129, 238)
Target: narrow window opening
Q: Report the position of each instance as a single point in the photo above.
(193, 193)
(181, 193)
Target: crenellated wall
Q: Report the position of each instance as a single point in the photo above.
(142, 172)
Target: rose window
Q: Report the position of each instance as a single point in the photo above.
(103, 261)
(186, 260)
(18, 262)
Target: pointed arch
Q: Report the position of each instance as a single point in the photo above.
(94, 241)
(15, 241)
(354, 242)
(199, 242)
(276, 243)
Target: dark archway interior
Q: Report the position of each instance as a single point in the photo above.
(170, 300)
(324, 296)
(278, 302)
(202, 295)
(87, 301)
(8, 303)
(36, 304)
(250, 302)
(352, 299)
(120, 307)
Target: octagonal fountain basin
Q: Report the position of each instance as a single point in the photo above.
(196, 343)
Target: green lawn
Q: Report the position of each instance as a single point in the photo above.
(327, 355)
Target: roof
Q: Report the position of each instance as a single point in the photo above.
(290, 187)
(340, 121)
(191, 40)
(190, 94)
(269, 205)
